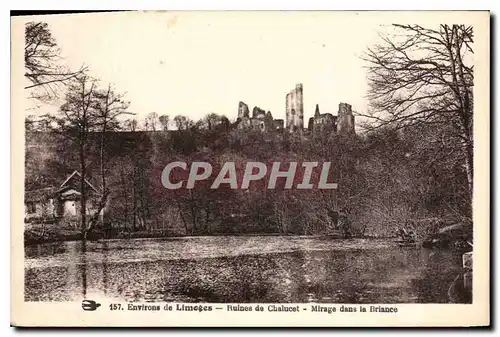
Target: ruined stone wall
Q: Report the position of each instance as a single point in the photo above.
(243, 110)
(324, 122)
(345, 120)
(278, 124)
(258, 112)
(268, 121)
(244, 123)
(259, 120)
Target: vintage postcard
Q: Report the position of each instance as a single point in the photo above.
(267, 168)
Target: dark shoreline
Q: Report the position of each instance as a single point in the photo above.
(31, 238)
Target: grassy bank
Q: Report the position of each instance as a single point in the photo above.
(34, 236)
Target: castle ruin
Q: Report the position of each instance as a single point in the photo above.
(342, 123)
(261, 120)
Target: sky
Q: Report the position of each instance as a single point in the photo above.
(194, 63)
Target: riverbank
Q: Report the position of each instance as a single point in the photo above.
(49, 234)
(38, 234)
(35, 236)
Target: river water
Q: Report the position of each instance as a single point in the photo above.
(243, 269)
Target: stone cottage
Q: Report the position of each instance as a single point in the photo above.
(60, 204)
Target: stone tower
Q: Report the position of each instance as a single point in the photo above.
(345, 120)
(295, 109)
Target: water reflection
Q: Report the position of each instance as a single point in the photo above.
(83, 268)
(105, 247)
(373, 274)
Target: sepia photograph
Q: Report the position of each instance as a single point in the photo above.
(299, 162)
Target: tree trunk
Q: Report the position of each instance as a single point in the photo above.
(182, 215)
(125, 197)
(95, 217)
(466, 115)
(83, 200)
(193, 210)
(134, 201)
(460, 89)
(103, 169)
(469, 168)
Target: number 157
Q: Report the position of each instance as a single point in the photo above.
(115, 306)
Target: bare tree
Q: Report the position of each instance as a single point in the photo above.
(424, 77)
(109, 105)
(76, 122)
(42, 62)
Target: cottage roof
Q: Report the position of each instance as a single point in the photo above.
(46, 193)
(76, 173)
